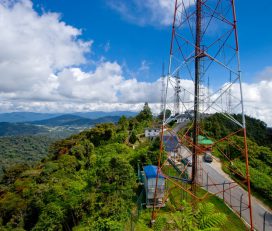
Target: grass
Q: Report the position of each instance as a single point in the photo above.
(256, 194)
(233, 220)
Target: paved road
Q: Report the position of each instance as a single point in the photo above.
(234, 195)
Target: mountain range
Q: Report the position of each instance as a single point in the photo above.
(15, 117)
(75, 120)
(61, 125)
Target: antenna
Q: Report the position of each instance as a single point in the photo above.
(162, 89)
(177, 95)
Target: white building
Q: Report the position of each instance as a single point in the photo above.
(152, 132)
(185, 117)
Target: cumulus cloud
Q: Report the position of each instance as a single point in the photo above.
(40, 63)
(40, 70)
(147, 12)
(257, 97)
(34, 47)
(257, 100)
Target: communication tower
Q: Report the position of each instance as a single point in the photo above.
(204, 55)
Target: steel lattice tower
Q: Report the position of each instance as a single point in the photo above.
(204, 52)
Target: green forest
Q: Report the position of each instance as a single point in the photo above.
(259, 140)
(23, 151)
(89, 181)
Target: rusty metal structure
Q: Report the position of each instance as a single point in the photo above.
(204, 53)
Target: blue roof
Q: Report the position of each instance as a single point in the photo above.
(151, 171)
(170, 143)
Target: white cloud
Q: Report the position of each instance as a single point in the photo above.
(34, 47)
(265, 74)
(40, 70)
(147, 12)
(144, 66)
(98, 86)
(257, 97)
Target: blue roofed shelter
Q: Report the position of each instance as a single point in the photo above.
(150, 173)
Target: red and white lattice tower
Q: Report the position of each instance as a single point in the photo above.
(204, 53)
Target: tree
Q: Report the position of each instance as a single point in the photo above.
(167, 114)
(51, 218)
(145, 114)
(133, 137)
(13, 172)
(123, 123)
(101, 133)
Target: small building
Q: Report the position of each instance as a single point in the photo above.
(150, 175)
(183, 118)
(205, 143)
(152, 132)
(189, 113)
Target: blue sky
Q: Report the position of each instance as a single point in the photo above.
(132, 44)
(87, 55)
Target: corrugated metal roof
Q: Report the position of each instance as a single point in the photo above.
(204, 140)
(151, 171)
(170, 142)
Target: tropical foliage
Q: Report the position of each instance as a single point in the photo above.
(259, 140)
(22, 150)
(204, 218)
(87, 181)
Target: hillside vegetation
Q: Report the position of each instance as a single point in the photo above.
(259, 151)
(88, 181)
(15, 129)
(22, 151)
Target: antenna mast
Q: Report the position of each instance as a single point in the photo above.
(162, 89)
(198, 56)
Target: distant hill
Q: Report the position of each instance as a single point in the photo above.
(16, 117)
(68, 124)
(98, 114)
(13, 129)
(74, 120)
(64, 120)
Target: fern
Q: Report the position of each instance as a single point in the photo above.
(159, 224)
(184, 220)
(205, 218)
(211, 229)
(208, 218)
(205, 209)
